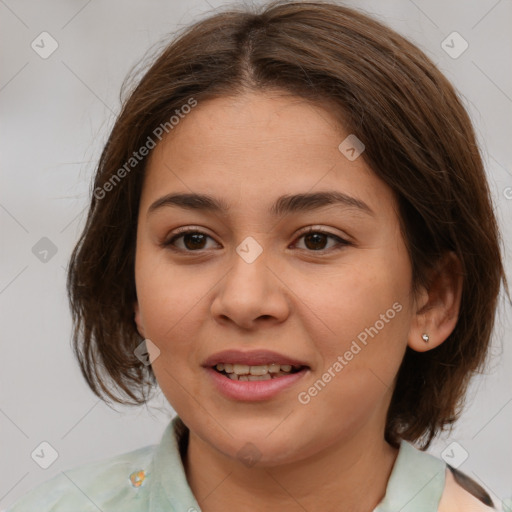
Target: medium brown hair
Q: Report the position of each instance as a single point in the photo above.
(419, 140)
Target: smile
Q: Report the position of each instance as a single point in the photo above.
(244, 372)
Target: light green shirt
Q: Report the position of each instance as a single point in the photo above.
(152, 479)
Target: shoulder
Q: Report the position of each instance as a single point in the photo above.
(462, 494)
(107, 485)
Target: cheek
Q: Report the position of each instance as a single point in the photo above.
(167, 293)
(362, 315)
(361, 296)
(361, 351)
(172, 302)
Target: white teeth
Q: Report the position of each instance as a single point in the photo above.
(260, 370)
(260, 377)
(241, 369)
(267, 376)
(245, 372)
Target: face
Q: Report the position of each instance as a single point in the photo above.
(322, 280)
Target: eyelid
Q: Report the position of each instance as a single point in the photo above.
(341, 240)
(325, 231)
(167, 241)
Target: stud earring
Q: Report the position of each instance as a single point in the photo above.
(425, 337)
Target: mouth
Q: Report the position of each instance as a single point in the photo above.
(245, 372)
(254, 375)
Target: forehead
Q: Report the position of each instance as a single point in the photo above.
(256, 146)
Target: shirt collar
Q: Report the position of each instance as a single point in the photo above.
(170, 489)
(416, 482)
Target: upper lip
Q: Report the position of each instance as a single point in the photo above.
(251, 358)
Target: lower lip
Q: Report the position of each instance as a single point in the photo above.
(255, 390)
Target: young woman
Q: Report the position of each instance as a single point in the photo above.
(292, 235)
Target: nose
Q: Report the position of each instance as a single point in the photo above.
(251, 294)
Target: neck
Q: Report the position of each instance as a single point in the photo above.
(350, 475)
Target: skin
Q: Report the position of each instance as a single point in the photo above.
(247, 150)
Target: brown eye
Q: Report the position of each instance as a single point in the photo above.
(194, 241)
(317, 240)
(190, 241)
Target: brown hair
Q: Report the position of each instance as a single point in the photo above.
(419, 140)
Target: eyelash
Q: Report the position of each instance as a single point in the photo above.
(184, 231)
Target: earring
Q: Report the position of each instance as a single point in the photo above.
(425, 337)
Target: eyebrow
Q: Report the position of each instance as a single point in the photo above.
(283, 205)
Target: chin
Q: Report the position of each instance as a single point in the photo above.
(257, 445)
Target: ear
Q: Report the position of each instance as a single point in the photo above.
(138, 319)
(437, 305)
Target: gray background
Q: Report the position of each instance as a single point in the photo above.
(55, 116)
